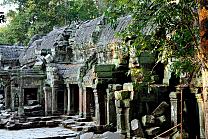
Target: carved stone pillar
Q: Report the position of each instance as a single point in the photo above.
(86, 103)
(123, 111)
(21, 101)
(48, 100)
(174, 108)
(69, 99)
(12, 96)
(201, 115)
(123, 117)
(54, 100)
(80, 100)
(7, 96)
(97, 106)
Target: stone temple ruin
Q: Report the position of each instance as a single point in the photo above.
(83, 69)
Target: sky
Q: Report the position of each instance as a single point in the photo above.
(5, 9)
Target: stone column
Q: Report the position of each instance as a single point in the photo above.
(7, 96)
(86, 103)
(12, 96)
(97, 107)
(111, 108)
(69, 99)
(174, 109)
(201, 115)
(48, 100)
(123, 111)
(80, 100)
(65, 100)
(54, 100)
(21, 101)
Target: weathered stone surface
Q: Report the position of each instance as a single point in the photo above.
(160, 109)
(128, 86)
(136, 127)
(105, 74)
(111, 135)
(104, 67)
(32, 102)
(161, 119)
(87, 135)
(68, 122)
(32, 119)
(121, 95)
(152, 131)
(51, 124)
(148, 120)
(117, 87)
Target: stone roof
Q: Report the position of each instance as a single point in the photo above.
(10, 52)
(85, 31)
(108, 33)
(29, 54)
(50, 39)
(70, 71)
(46, 42)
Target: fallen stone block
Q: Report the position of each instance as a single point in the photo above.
(41, 124)
(161, 119)
(111, 135)
(32, 102)
(50, 124)
(32, 119)
(148, 120)
(121, 95)
(117, 87)
(160, 109)
(136, 128)
(87, 135)
(68, 122)
(153, 131)
(128, 86)
(77, 128)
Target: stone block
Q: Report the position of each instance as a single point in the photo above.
(146, 57)
(126, 103)
(32, 102)
(128, 86)
(87, 135)
(136, 127)
(121, 95)
(111, 135)
(160, 120)
(117, 87)
(104, 74)
(148, 120)
(104, 67)
(50, 124)
(160, 109)
(152, 131)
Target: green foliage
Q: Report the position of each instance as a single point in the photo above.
(40, 16)
(170, 29)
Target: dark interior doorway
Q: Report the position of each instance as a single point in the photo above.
(74, 88)
(91, 101)
(30, 94)
(60, 101)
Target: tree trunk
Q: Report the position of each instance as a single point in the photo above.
(203, 54)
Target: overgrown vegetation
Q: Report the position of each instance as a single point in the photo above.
(40, 16)
(169, 28)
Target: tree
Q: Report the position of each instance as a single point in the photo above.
(40, 16)
(203, 54)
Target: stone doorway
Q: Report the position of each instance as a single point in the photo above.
(60, 101)
(91, 101)
(74, 99)
(30, 94)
